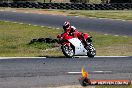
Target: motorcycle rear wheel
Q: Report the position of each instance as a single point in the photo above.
(67, 51)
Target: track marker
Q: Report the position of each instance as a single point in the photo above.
(105, 34)
(116, 35)
(76, 16)
(42, 26)
(57, 28)
(21, 23)
(35, 25)
(125, 36)
(49, 27)
(6, 21)
(15, 22)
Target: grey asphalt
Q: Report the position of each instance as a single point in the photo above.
(90, 24)
(40, 73)
(31, 73)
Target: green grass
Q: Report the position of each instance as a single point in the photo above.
(123, 86)
(113, 14)
(15, 38)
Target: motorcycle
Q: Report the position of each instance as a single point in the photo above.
(76, 45)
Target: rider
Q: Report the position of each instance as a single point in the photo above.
(71, 30)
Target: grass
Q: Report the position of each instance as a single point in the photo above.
(15, 38)
(113, 14)
(123, 86)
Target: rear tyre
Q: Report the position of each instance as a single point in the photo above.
(67, 51)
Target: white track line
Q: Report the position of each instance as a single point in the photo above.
(26, 12)
(112, 56)
(77, 16)
(102, 71)
(1, 10)
(74, 72)
(14, 11)
(108, 19)
(39, 13)
(46, 57)
(100, 56)
(20, 57)
(91, 72)
(123, 20)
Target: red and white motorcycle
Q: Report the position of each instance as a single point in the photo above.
(76, 45)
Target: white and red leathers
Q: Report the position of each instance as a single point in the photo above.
(72, 31)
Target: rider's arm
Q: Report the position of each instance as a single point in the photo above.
(73, 29)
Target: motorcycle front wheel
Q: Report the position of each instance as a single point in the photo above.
(91, 51)
(67, 51)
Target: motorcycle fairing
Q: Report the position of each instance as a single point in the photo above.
(79, 48)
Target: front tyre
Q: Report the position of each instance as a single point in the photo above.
(67, 51)
(91, 51)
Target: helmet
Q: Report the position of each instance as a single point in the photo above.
(66, 25)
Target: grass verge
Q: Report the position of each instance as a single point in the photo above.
(112, 14)
(113, 86)
(15, 38)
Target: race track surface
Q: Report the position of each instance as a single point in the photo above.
(37, 73)
(117, 27)
(43, 72)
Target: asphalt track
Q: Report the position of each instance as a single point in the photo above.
(43, 72)
(117, 27)
(37, 73)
